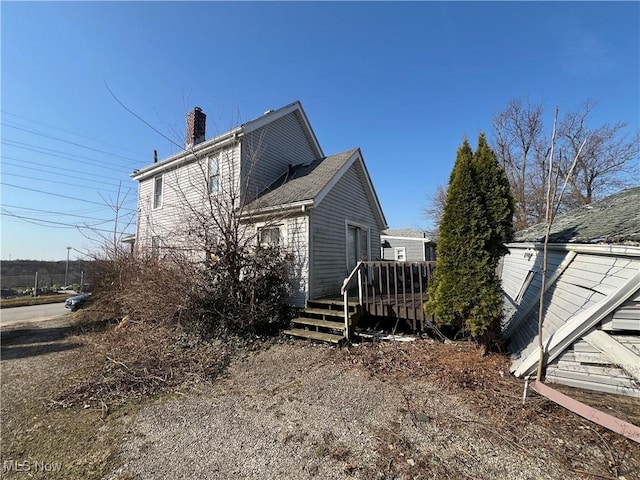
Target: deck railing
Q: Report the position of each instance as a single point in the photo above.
(391, 289)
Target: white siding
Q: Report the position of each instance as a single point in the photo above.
(268, 151)
(186, 203)
(589, 279)
(626, 317)
(584, 366)
(347, 201)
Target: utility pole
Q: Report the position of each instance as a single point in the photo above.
(66, 270)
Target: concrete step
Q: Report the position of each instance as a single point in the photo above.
(316, 322)
(313, 335)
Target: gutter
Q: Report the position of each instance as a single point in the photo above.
(187, 156)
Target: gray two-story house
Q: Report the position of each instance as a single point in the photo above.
(321, 209)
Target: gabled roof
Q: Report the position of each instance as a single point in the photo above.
(405, 233)
(231, 136)
(614, 219)
(308, 184)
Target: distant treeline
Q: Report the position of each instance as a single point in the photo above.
(20, 273)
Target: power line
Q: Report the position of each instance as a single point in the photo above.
(31, 120)
(53, 224)
(43, 150)
(36, 132)
(69, 214)
(75, 171)
(57, 182)
(59, 195)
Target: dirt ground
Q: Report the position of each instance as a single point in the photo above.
(297, 410)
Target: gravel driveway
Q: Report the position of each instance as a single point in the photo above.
(295, 412)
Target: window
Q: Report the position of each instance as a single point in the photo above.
(269, 236)
(400, 254)
(157, 192)
(214, 174)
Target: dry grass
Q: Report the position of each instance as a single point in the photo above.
(483, 383)
(142, 360)
(27, 301)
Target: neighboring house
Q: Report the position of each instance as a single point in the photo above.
(322, 209)
(591, 329)
(407, 245)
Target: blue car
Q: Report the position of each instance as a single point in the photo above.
(73, 303)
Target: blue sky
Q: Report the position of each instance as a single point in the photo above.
(403, 81)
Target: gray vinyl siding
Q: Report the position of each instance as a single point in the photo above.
(347, 201)
(584, 366)
(414, 248)
(185, 203)
(297, 245)
(268, 151)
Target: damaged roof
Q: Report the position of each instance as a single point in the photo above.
(615, 219)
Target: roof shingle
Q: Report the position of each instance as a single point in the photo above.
(302, 182)
(615, 219)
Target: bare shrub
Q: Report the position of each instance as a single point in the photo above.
(144, 360)
(242, 291)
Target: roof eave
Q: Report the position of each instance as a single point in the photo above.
(187, 156)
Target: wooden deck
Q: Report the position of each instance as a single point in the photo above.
(394, 290)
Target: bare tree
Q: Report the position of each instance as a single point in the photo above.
(606, 164)
(519, 144)
(435, 206)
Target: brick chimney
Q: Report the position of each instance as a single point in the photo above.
(196, 121)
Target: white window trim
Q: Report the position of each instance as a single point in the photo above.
(210, 159)
(280, 226)
(158, 201)
(397, 250)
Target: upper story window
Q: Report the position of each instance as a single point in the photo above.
(400, 254)
(214, 173)
(157, 192)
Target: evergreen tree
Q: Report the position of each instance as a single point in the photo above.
(477, 220)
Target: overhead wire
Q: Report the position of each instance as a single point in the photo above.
(32, 120)
(58, 139)
(75, 171)
(67, 156)
(75, 185)
(50, 212)
(54, 224)
(57, 195)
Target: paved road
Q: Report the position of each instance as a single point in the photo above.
(33, 313)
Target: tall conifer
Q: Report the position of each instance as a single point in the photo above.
(476, 223)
